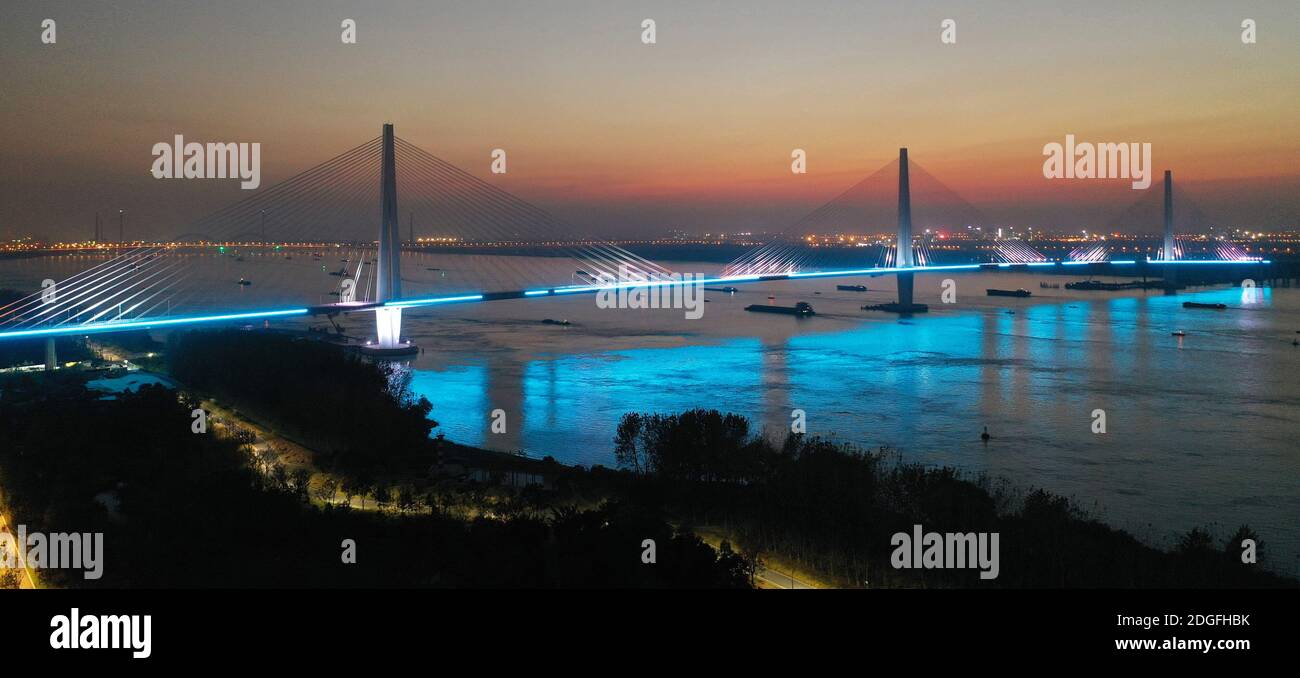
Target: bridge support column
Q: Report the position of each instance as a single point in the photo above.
(51, 359)
(903, 247)
(905, 257)
(905, 290)
(388, 320)
(389, 285)
(1168, 251)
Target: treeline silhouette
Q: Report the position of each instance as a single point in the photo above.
(180, 509)
(360, 417)
(834, 508)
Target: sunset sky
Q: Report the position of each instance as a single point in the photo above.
(694, 132)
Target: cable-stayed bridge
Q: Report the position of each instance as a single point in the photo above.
(156, 286)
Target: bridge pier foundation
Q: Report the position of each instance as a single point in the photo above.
(389, 344)
(904, 305)
(1169, 278)
(388, 323)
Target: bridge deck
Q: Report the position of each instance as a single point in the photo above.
(420, 302)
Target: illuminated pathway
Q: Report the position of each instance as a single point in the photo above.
(29, 581)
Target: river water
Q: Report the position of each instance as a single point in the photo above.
(1201, 430)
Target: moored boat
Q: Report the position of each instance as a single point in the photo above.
(802, 308)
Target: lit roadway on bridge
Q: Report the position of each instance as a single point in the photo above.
(356, 307)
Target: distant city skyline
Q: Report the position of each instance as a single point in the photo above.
(693, 133)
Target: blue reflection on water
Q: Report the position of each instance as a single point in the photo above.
(591, 393)
(459, 398)
(1200, 429)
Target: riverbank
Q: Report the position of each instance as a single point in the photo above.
(180, 508)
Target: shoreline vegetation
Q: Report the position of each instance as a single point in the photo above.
(285, 475)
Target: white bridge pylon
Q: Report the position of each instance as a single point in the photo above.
(388, 319)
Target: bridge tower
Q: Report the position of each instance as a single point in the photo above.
(905, 258)
(1168, 250)
(1169, 274)
(390, 242)
(388, 320)
(904, 213)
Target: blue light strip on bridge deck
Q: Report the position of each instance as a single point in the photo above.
(410, 303)
(116, 326)
(1211, 261)
(875, 271)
